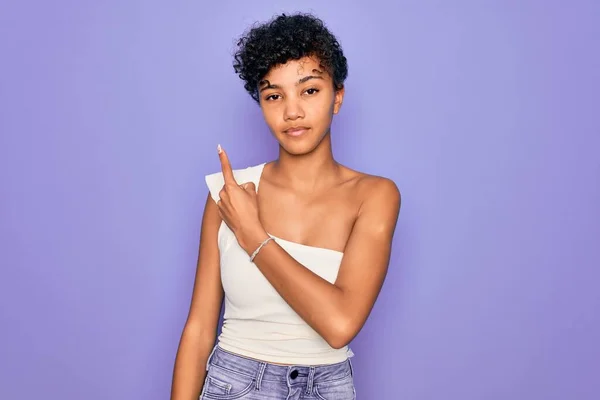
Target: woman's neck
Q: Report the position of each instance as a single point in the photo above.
(307, 172)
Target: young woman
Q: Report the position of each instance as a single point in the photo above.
(298, 247)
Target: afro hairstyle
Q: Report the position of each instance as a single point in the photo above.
(285, 38)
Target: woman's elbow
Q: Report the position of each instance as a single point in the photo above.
(341, 334)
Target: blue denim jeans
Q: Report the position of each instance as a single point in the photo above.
(231, 376)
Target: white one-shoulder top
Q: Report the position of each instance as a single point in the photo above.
(258, 323)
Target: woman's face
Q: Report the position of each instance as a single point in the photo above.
(298, 102)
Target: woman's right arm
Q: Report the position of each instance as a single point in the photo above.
(199, 333)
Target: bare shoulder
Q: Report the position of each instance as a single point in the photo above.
(374, 190)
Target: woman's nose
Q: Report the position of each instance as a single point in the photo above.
(293, 110)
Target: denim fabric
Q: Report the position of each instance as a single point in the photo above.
(230, 376)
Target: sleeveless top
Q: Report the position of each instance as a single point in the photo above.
(258, 323)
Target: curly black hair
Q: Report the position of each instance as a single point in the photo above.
(285, 38)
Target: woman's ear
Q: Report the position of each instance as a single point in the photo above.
(338, 100)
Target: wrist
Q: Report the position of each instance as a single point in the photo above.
(252, 239)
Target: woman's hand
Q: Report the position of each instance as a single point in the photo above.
(238, 207)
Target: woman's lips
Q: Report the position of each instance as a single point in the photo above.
(296, 131)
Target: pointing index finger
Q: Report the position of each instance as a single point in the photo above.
(226, 166)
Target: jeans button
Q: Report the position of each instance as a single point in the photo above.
(294, 374)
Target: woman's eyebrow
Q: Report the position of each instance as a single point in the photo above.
(307, 78)
(269, 85)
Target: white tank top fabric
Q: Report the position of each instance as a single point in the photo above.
(258, 323)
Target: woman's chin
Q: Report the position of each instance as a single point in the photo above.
(298, 145)
(298, 148)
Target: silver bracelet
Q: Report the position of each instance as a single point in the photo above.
(259, 247)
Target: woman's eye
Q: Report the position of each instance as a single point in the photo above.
(272, 97)
(311, 91)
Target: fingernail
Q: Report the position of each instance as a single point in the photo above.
(219, 149)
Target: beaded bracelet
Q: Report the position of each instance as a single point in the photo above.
(259, 247)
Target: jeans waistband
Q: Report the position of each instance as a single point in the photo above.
(262, 370)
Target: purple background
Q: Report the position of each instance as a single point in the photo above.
(483, 112)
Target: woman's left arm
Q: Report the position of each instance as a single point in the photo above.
(338, 311)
